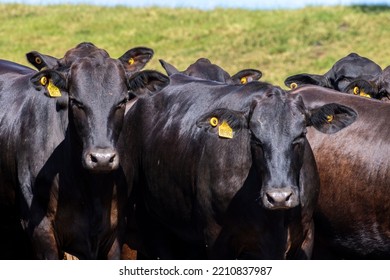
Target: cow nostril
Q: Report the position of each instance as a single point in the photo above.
(288, 197)
(270, 199)
(112, 159)
(93, 158)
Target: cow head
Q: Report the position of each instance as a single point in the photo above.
(378, 87)
(96, 89)
(204, 69)
(133, 60)
(342, 73)
(277, 122)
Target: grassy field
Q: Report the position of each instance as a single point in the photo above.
(279, 43)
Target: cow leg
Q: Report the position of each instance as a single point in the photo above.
(44, 241)
(307, 245)
(115, 251)
(300, 241)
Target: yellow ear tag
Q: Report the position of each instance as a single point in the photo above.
(362, 93)
(243, 80)
(43, 81)
(356, 90)
(213, 121)
(131, 61)
(38, 60)
(293, 85)
(329, 118)
(53, 90)
(225, 131)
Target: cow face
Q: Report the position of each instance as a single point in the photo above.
(97, 110)
(278, 125)
(277, 122)
(97, 90)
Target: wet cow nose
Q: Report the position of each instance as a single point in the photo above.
(101, 160)
(280, 198)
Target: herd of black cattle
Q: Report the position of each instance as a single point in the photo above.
(97, 156)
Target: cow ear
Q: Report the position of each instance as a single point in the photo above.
(51, 82)
(135, 59)
(41, 61)
(303, 79)
(169, 68)
(223, 122)
(331, 118)
(147, 82)
(246, 76)
(362, 88)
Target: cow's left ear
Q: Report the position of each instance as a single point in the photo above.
(169, 68)
(136, 58)
(51, 82)
(223, 122)
(41, 61)
(146, 83)
(246, 76)
(331, 118)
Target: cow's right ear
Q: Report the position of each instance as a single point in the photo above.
(246, 76)
(306, 79)
(146, 82)
(136, 58)
(51, 82)
(169, 68)
(223, 122)
(41, 61)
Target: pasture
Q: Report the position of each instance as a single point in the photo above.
(279, 43)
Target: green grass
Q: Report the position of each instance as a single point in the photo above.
(279, 43)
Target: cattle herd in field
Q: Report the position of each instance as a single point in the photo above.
(99, 157)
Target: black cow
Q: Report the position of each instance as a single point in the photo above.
(7, 66)
(352, 219)
(378, 87)
(204, 69)
(223, 171)
(345, 71)
(58, 139)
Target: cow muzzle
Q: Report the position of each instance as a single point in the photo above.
(280, 198)
(101, 160)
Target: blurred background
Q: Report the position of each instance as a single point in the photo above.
(208, 4)
(278, 37)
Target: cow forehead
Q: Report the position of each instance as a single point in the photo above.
(106, 78)
(83, 50)
(282, 114)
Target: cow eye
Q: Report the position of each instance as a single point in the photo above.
(122, 103)
(298, 141)
(256, 141)
(76, 103)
